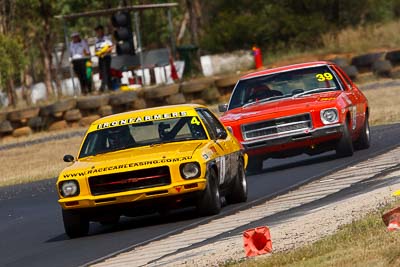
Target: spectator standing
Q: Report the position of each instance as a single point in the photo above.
(80, 56)
(103, 49)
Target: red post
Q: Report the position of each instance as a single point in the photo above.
(174, 73)
(257, 57)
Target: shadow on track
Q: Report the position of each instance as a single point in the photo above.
(311, 160)
(131, 223)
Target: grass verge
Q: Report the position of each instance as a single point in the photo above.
(365, 242)
(35, 162)
(384, 107)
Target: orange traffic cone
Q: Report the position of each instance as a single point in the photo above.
(257, 241)
(392, 219)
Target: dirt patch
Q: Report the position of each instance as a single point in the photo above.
(36, 162)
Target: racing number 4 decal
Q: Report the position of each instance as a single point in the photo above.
(324, 77)
(195, 121)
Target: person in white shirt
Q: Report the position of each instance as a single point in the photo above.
(80, 55)
(103, 49)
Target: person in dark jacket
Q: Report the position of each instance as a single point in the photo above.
(103, 49)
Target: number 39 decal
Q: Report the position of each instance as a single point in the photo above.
(324, 77)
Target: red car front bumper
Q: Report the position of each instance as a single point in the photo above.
(282, 143)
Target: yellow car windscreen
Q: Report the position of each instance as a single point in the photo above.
(142, 134)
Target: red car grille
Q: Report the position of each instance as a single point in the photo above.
(276, 127)
(125, 181)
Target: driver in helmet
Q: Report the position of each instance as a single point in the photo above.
(119, 137)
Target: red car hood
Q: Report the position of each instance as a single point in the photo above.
(288, 105)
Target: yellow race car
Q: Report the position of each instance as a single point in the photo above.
(149, 161)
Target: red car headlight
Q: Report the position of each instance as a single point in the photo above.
(329, 116)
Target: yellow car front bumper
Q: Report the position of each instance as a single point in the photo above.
(172, 190)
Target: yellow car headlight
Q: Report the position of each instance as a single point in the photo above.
(190, 170)
(69, 188)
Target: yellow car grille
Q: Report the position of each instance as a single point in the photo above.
(125, 181)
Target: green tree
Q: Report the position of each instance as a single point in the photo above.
(281, 24)
(12, 62)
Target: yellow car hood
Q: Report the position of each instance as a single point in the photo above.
(134, 158)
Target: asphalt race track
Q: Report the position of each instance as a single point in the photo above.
(32, 232)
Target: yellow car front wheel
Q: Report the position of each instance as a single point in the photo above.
(75, 223)
(238, 192)
(209, 202)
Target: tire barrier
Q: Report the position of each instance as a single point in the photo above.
(210, 95)
(3, 117)
(86, 121)
(351, 71)
(365, 62)
(122, 98)
(395, 73)
(23, 131)
(229, 81)
(257, 241)
(92, 102)
(175, 99)
(138, 103)
(58, 125)
(58, 115)
(393, 57)
(5, 127)
(72, 115)
(58, 107)
(37, 123)
(341, 62)
(105, 110)
(23, 115)
(392, 219)
(196, 85)
(198, 101)
(161, 91)
(382, 67)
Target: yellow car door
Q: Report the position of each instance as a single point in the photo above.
(223, 145)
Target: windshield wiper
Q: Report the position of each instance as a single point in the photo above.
(108, 151)
(159, 143)
(264, 100)
(316, 90)
(114, 149)
(174, 141)
(163, 142)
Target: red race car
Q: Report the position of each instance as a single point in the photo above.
(305, 108)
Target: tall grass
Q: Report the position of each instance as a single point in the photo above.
(384, 105)
(363, 39)
(348, 42)
(36, 162)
